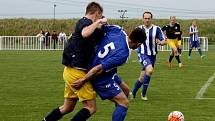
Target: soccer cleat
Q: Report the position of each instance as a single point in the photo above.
(180, 65)
(203, 56)
(189, 57)
(131, 96)
(144, 98)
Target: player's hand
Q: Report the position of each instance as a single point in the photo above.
(103, 20)
(158, 42)
(177, 32)
(78, 84)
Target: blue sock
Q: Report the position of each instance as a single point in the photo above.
(119, 113)
(190, 50)
(200, 51)
(137, 85)
(145, 84)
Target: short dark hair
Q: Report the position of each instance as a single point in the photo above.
(147, 12)
(92, 7)
(138, 35)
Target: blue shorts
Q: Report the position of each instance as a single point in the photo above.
(117, 79)
(146, 60)
(195, 44)
(108, 91)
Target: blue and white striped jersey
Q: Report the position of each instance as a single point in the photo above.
(194, 36)
(149, 47)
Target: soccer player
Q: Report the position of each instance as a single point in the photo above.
(194, 40)
(77, 56)
(112, 51)
(173, 32)
(147, 53)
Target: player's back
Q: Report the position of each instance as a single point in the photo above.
(112, 51)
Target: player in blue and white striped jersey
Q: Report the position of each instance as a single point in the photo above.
(194, 39)
(147, 53)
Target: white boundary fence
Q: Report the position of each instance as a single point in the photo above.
(31, 43)
(42, 43)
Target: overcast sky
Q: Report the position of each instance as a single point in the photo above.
(135, 8)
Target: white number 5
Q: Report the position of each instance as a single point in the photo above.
(106, 50)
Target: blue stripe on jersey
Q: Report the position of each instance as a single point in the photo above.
(193, 37)
(150, 42)
(149, 47)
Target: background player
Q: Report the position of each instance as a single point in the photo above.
(147, 53)
(172, 32)
(77, 56)
(194, 40)
(112, 51)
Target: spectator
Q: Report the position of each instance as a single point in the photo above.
(54, 39)
(62, 37)
(41, 36)
(47, 39)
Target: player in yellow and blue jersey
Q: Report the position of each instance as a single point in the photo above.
(77, 56)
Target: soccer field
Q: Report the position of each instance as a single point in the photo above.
(32, 85)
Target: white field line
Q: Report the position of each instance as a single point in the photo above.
(204, 88)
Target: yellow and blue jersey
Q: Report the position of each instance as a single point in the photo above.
(79, 51)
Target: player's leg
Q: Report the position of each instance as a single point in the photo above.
(120, 111)
(122, 84)
(179, 46)
(190, 50)
(89, 108)
(171, 44)
(147, 78)
(85, 94)
(138, 84)
(199, 49)
(67, 107)
(171, 56)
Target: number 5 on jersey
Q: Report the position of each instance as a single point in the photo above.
(107, 48)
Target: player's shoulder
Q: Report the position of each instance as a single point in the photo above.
(140, 26)
(84, 20)
(177, 24)
(156, 26)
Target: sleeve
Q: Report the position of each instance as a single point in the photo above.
(115, 60)
(179, 28)
(190, 29)
(164, 28)
(81, 24)
(159, 34)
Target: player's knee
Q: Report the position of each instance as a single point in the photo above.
(126, 90)
(149, 71)
(64, 109)
(124, 102)
(91, 106)
(92, 109)
(141, 78)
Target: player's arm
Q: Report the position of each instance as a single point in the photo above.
(107, 65)
(160, 37)
(178, 31)
(87, 31)
(89, 76)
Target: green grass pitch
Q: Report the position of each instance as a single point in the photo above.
(31, 85)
